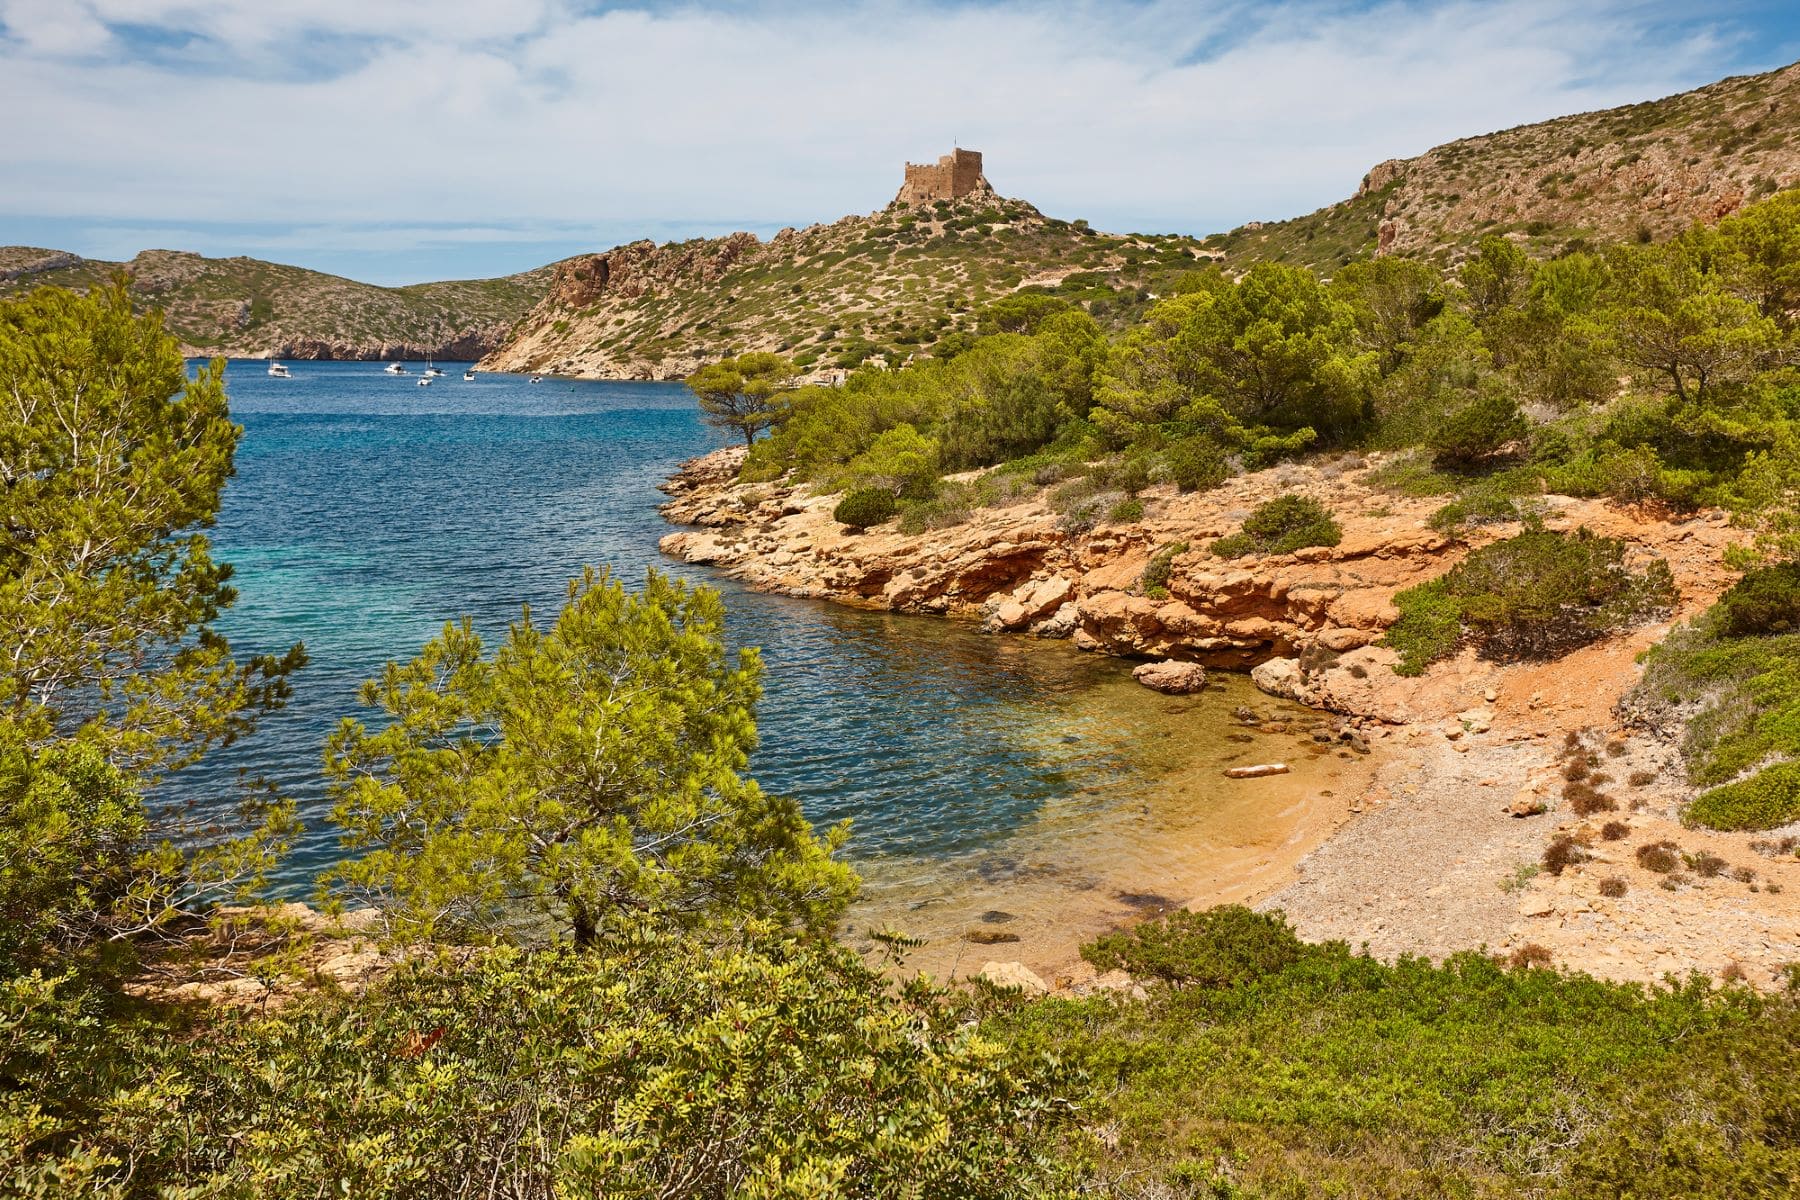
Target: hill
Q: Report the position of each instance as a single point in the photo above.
(1641, 172)
(890, 285)
(245, 307)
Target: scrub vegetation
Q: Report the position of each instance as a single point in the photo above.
(618, 971)
(614, 969)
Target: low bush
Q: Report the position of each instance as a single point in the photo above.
(1429, 627)
(1614, 831)
(1281, 526)
(1535, 595)
(1705, 864)
(1765, 601)
(1562, 853)
(1155, 579)
(1586, 799)
(1612, 888)
(1341, 1075)
(865, 507)
(1477, 431)
(670, 1069)
(1476, 508)
(1735, 701)
(1530, 957)
(1766, 800)
(1196, 464)
(1220, 947)
(1126, 511)
(1661, 857)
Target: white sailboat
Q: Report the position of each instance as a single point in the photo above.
(279, 371)
(431, 371)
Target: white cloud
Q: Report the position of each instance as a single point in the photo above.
(334, 114)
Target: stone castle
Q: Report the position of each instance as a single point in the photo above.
(955, 175)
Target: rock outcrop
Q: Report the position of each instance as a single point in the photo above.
(1306, 623)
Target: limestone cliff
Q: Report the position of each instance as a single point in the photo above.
(1018, 569)
(1643, 171)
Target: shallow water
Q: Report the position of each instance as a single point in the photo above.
(980, 773)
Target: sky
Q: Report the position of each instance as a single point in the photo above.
(402, 140)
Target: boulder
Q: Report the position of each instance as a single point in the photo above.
(1014, 976)
(1171, 678)
(1281, 677)
(1059, 624)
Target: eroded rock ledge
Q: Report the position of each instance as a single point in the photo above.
(1312, 617)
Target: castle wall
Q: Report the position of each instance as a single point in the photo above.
(951, 177)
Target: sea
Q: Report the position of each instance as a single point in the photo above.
(1000, 791)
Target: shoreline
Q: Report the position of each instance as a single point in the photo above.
(1426, 857)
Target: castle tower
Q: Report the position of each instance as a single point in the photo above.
(955, 175)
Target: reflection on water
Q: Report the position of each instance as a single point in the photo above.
(992, 783)
(1147, 823)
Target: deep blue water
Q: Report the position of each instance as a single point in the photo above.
(367, 511)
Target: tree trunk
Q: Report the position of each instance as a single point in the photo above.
(581, 922)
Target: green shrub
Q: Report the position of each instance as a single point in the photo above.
(1156, 572)
(1477, 430)
(1220, 947)
(1735, 701)
(674, 1068)
(1477, 508)
(1766, 800)
(1126, 511)
(1535, 595)
(1196, 464)
(1714, 1119)
(1129, 474)
(865, 507)
(1234, 546)
(1429, 627)
(1541, 593)
(1341, 1075)
(1282, 526)
(1765, 601)
(950, 507)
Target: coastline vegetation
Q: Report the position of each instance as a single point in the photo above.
(1659, 376)
(614, 970)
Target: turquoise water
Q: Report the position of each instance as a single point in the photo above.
(367, 511)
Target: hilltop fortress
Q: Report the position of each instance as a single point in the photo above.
(955, 175)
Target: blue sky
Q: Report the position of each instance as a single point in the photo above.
(401, 140)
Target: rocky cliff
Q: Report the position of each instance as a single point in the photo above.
(244, 307)
(1643, 171)
(883, 287)
(1306, 623)
(1018, 569)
